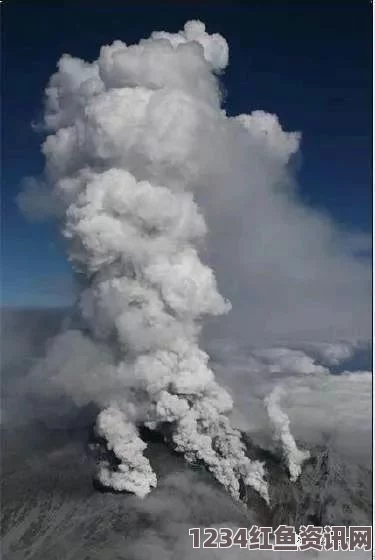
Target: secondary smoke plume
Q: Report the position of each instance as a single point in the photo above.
(294, 457)
(122, 161)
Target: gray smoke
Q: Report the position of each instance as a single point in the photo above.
(281, 424)
(119, 161)
(138, 147)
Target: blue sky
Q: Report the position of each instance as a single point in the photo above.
(310, 63)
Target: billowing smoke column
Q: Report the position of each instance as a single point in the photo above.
(121, 159)
(294, 457)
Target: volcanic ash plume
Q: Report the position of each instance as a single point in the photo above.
(294, 457)
(122, 160)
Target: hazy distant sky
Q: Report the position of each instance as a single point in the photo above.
(310, 63)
